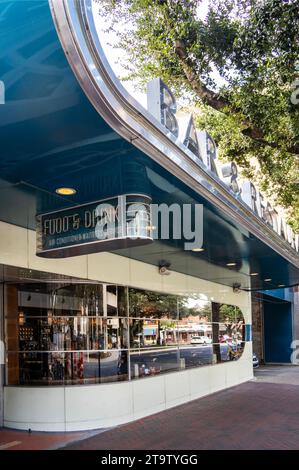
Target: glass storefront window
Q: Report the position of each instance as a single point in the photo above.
(193, 308)
(196, 356)
(152, 362)
(59, 334)
(152, 333)
(68, 368)
(229, 351)
(72, 333)
(116, 301)
(148, 304)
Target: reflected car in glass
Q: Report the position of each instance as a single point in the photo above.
(201, 340)
(255, 361)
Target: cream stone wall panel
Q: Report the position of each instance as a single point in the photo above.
(108, 267)
(99, 405)
(13, 245)
(148, 395)
(37, 408)
(174, 283)
(177, 388)
(199, 382)
(217, 377)
(145, 276)
(73, 266)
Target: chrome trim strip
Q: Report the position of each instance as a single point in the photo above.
(77, 32)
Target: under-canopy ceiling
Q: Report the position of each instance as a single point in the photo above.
(52, 136)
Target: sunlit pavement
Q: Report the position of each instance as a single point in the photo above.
(278, 374)
(261, 414)
(24, 440)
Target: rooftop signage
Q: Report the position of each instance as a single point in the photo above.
(172, 143)
(105, 225)
(162, 105)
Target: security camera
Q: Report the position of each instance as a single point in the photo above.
(236, 287)
(164, 271)
(164, 268)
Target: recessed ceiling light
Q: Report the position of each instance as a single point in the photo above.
(254, 274)
(281, 285)
(65, 191)
(198, 249)
(231, 264)
(268, 280)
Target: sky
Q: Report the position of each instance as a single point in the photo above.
(114, 54)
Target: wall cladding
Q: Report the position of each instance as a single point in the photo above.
(257, 326)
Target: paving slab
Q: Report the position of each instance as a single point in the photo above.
(260, 414)
(11, 439)
(251, 416)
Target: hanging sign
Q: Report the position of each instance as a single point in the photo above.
(110, 224)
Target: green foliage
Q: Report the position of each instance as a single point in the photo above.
(252, 46)
(230, 314)
(150, 304)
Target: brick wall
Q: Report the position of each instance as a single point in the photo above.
(257, 325)
(296, 313)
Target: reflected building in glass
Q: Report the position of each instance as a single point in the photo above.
(80, 333)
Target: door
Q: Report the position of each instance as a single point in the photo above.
(277, 331)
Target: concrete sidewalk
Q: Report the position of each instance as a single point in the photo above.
(278, 374)
(23, 440)
(261, 414)
(254, 415)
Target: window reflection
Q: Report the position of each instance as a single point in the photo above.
(194, 309)
(196, 356)
(116, 301)
(70, 368)
(76, 298)
(147, 304)
(150, 333)
(73, 333)
(81, 333)
(60, 300)
(228, 351)
(152, 362)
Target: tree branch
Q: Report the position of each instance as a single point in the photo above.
(207, 96)
(219, 103)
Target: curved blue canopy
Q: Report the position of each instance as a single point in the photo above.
(52, 136)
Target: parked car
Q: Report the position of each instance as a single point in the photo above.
(255, 361)
(201, 340)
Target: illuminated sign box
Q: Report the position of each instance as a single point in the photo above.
(109, 224)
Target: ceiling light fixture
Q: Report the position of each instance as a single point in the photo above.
(198, 249)
(267, 280)
(281, 285)
(231, 264)
(254, 274)
(65, 191)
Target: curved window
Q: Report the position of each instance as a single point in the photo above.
(80, 333)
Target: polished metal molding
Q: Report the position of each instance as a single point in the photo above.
(76, 29)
